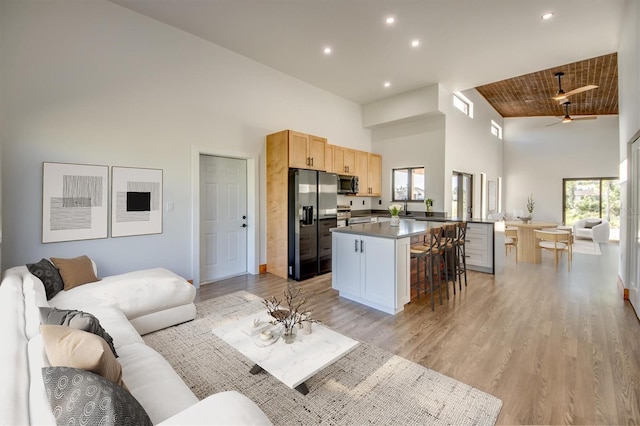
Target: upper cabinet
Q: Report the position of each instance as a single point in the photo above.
(375, 174)
(306, 151)
(369, 172)
(344, 161)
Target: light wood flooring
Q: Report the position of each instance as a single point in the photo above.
(556, 347)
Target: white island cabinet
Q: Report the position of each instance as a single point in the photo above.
(371, 263)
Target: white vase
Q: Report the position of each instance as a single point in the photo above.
(395, 221)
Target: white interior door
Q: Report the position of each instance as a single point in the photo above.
(223, 218)
(634, 242)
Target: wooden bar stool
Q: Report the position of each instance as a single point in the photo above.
(461, 254)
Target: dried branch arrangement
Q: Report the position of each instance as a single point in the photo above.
(292, 312)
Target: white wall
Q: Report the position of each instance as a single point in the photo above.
(537, 158)
(92, 82)
(629, 105)
(470, 145)
(409, 144)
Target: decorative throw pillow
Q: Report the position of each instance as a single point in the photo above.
(67, 347)
(591, 223)
(77, 320)
(49, 275)
(84, 398)
(76, 271)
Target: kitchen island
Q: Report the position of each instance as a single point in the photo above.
(371, 263)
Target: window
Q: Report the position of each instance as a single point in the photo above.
(496, 130)
(408, 184)
(594, 197)
(463, 104)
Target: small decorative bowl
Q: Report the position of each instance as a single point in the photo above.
(266, 335)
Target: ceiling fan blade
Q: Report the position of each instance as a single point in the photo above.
(562, 96)
(590, 117)
(553, 124)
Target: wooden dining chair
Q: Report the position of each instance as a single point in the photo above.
(556, 241)
(511, 241)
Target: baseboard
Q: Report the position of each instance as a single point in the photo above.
(263, 269)
(623, 289)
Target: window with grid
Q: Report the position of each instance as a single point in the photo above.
(408, 184)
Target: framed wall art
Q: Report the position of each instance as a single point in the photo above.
(136, 201)
(74, 202)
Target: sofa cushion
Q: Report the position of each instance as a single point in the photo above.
(34, 298)
(77, 320)
(67, 347)
(591, 223)
(75, 271)
(49, 275)
(135, 293)
(153, 382)
(80, 397)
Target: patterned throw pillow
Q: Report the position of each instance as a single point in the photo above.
(77, 320)
(81, 397)
(49, 275)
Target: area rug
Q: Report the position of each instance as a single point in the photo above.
(586, 247)
(366, 386)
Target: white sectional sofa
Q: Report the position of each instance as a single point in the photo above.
(126, 306)
(595, 229)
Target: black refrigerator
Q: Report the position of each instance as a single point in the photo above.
(313, 198)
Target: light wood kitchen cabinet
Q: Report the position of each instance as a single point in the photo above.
(375, 175)
(362, 171)
(306, 151)
(369, 172)
(344, 161)
(328, 158)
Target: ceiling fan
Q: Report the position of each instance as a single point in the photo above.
(562, 96)
(568, 119)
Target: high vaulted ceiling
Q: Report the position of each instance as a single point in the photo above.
(530, 95)
(463, 43)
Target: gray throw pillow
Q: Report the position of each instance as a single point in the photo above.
(591, 223)
(80, 397)
(77, 320)
(49, 275)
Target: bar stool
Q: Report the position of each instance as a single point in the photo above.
(435, 261)
(420, 252)
(461, 254)
(449, 242)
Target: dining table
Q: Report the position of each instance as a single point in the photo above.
(528, 249)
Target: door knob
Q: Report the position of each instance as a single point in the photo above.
(244, 225)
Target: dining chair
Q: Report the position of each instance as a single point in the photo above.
(511, 240)
(420, 252)
(556, 241)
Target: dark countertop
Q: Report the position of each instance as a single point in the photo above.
(418, 216)
(407, 228)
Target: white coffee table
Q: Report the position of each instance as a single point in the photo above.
(292, 363)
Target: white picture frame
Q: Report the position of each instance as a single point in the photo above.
(136, 201)
(74, 202)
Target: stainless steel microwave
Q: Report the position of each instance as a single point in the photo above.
(347, 184)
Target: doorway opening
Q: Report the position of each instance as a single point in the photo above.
(462, 195)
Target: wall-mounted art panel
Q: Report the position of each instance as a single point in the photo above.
(136, 201)
(74, 202)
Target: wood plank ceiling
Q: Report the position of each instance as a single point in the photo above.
(529, 95)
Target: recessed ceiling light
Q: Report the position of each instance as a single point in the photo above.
(387, 84)
(415, 43)
(390, 20)
(327, 50)
(547, 15)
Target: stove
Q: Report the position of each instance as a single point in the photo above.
(344, 214)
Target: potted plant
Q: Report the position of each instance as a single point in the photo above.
(429, 203)
(395, 210)
(530, 205)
